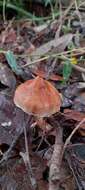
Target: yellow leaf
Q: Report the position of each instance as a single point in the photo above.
(73, 60)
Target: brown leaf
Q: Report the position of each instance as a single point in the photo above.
(42, 73)
(11, 119)
(73, 114)
(77, 116)
(8, 36)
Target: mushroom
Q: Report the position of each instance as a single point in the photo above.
(38, 97)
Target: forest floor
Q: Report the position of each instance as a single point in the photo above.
(54, 51)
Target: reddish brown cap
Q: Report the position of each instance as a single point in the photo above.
(37, 97)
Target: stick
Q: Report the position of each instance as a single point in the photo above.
(72, 133)
(55, 174)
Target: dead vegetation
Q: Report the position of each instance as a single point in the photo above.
(42, 71)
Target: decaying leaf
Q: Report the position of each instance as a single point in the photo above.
(11, 119)
(73, 114)
(6, 76)
(76, 116)
(7, 182)
(58, 45)
(8, 36)
(73, 90)
(42, 74)
(76, 165)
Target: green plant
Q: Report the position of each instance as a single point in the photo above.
(19, 9)
(67, 70)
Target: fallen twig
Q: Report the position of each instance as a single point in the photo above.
(72, 133)
(55, 174)
(78, 68)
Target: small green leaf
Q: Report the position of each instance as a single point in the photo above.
(12, 62)
(67, 69)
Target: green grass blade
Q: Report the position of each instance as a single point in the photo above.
(12, 63)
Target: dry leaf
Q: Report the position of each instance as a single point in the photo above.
(73, 114)
(58, 44)
(6, 76)
(42, 73)
(77, 116)
(8, 36)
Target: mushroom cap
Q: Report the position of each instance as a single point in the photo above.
(37, 97)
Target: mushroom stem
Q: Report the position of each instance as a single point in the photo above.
(41, 122)
(26, 159)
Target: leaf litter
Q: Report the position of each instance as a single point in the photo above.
(27, 51)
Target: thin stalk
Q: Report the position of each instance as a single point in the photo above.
(4, 6)
(27, 162)
(58, 55)
(71, 135)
